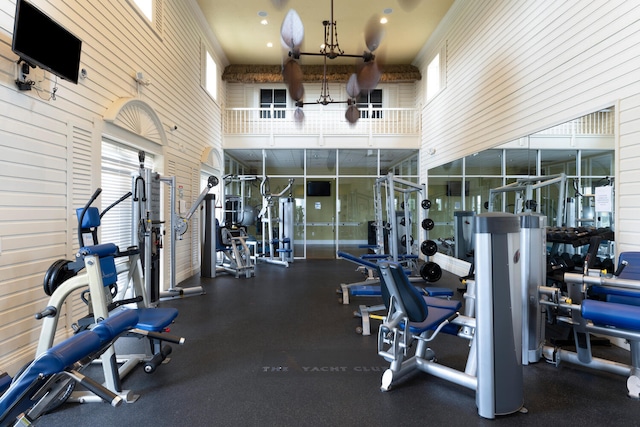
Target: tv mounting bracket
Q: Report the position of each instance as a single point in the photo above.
(23, 71)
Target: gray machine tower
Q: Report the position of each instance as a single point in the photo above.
(498, 314)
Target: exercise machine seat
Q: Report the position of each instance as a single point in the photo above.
(155, 319)
(603, 313)
(421, 316)
(632, 269)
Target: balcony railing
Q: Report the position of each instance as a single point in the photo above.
(598, 123)
(321, 121)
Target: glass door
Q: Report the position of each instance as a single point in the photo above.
(321, 217)
(356, 215)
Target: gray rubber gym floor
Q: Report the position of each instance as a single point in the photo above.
(279, 350)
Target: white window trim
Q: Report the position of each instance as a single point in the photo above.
(204, 52)
(156, 23)
(441, 54)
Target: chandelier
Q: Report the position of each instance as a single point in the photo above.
(365, 78)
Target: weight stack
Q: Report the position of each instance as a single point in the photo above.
(208, 254)
(498, 314)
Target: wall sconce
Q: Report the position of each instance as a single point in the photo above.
(139, 78)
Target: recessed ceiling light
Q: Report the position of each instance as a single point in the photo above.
(262, 13)
(269, 44)
(383, 20)
(264, 22)
(387, 11)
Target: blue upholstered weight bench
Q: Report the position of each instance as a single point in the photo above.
(60, 358)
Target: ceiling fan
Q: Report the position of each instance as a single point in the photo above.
(365, 78)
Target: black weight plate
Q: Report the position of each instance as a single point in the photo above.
(403, 240)
(430, 271)
(429, 247)
(428, 224)
(426, 204)
(60, 275)
(49, 276)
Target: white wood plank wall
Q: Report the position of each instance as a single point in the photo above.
(50, 149)
(513, 67)
(517, 67)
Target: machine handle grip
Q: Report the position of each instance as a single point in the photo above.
(50, 311)
(100, 391)
(621, 267)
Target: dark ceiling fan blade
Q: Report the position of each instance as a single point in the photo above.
(373, 33)
(353, 88)
(352, 114)
(279, 4)
(369, 75)
(292, 30)
(292, 75)
(408, 5)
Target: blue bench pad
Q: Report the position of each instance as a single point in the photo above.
(365, 290)
(617, 295)
(611, 314)
(155, 319)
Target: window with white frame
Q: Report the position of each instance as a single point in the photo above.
(118, 163)
(433, 77)
(373, 98)
(152, 11)
(275, 97)
(146, 7)
(436, 73)
(210, 75)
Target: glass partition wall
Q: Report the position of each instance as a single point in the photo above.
(332, 191)
(582, 150)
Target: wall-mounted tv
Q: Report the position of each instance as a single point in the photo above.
(454, 188)
(40, 41)
(319, 188)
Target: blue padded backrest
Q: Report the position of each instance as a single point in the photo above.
(91, 217)
(105, 252)
(357, 260)
(17, 398)
(409, 297)
(632, 270)
(109, 273)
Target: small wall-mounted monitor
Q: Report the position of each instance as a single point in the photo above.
(318, 188)
(40, 41)
(454, 188)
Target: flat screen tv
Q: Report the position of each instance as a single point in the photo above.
(319, 188)
(40, 41)
(454, 188)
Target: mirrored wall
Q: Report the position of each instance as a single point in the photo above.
(579, 153)
(333, 192)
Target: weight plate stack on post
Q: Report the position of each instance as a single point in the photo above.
(430, 271)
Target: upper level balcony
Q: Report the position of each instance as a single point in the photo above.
(323, 126)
